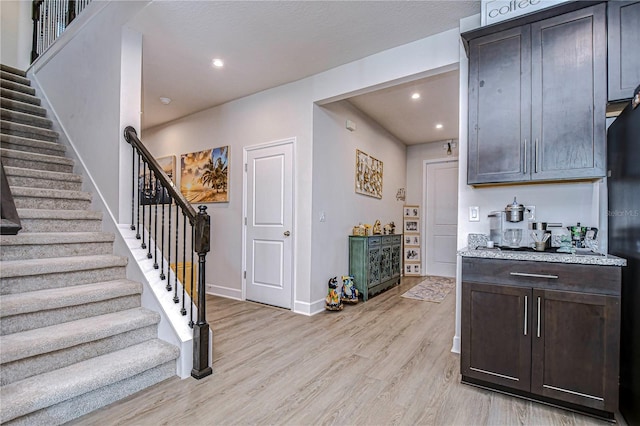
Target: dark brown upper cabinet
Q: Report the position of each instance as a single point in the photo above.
(537, 100)
(623, 40)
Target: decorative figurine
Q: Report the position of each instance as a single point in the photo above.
(390, 228)
(349, 291)
(333, 301)
(377, 228)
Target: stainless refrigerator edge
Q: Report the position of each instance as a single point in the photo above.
(623, 187)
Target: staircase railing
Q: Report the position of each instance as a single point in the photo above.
(9, 215)
(50, 19)
(152, 190)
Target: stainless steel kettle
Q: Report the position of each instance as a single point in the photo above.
(514, 211)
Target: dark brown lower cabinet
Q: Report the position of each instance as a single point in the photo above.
(534, 333)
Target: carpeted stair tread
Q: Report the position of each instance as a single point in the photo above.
(25, 118)
(59, 214)
(20, 303)
(35, 157)
(32, 178)
(19, 191)
(60, 336)
(24, 130)
(11, 70)
(14, 105)
(19, 96)
(29, 267)
(46, 238)
(18, 87)
(12, 76)
(38, 392)
(32, 145)
(31, 245)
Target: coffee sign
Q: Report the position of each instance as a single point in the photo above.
(499, 10)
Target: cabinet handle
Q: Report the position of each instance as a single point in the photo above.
(525, 156)
(538, 333)
(525, 274)
(525, 315)
(536, 159)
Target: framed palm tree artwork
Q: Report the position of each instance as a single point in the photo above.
(205, 175)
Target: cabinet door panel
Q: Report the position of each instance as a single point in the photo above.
(623, 41)
(569, 95)
(499, 107)
(575, 348)
(496, 328)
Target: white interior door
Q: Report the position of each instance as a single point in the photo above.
(269, 220)
(441, 218)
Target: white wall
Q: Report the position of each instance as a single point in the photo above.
(334, 157)
(15, 33)
(82, 82)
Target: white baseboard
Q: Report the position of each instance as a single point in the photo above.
(229, 293)
(309, 309)
(456, 345)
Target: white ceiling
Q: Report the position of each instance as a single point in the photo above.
(268, 43)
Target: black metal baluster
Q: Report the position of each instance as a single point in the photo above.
(162, 276)
(139, 200)
(194, 300)
(155, 223)
(133, 187)
(150, 197)
(183, 311)
(143, 201)
(169, 250)
(175, 286)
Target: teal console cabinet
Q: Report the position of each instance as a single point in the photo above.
(375, 262)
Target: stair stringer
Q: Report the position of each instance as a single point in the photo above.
(173, 327)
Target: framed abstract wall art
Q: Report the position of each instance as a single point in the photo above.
(368, 175)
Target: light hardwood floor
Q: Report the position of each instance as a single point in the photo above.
(386, 361)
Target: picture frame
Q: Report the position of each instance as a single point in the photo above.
(411, 226)
(412, 254)
(412, 269)
(369, 175)
(150, 191)
(411, 212)
(205, 175)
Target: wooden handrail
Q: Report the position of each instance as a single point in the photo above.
(131, 136)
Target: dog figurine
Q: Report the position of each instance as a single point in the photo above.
(349, 291)
(333, 301)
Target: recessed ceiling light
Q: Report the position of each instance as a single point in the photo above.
(165, 101)
(218, 63)
(438, 126)
(415, 96)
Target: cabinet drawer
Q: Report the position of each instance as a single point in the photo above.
(595, 279)
(374, 241)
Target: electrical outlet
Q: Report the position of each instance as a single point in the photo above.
(474, 214)
(323, 218)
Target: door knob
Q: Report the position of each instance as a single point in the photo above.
(287, 233)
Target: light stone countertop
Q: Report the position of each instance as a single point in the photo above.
(495, 253)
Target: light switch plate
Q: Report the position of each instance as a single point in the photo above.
(474, 214)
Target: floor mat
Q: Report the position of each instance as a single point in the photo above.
(431, 289)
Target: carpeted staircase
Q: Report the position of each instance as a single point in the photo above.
(73, 335)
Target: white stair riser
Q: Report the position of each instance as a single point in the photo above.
(30, 321)
(45, 281)
(42, 251)
(21, 369)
